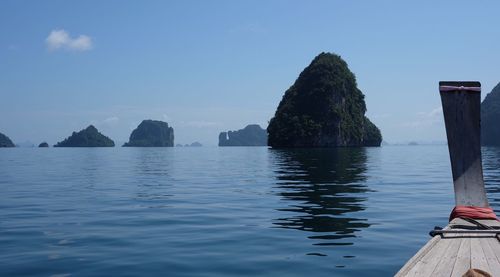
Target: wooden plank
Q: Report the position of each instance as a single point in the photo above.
(492, 223)
(421, 253)
(426, 265)
(491, 258)
(495, 247)
(462, 263)
(489, 222)
(478, 259)
(445, 267)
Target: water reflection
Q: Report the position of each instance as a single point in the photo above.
(491, 168)
(325, 187)
(152, 176)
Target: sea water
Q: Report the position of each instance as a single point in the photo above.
(234, 211)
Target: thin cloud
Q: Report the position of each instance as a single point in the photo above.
(108, 122)
(111, 120)
(435, 113)
(426, 119)
(60, 39)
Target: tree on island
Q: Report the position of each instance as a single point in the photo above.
(88, 137)
(323, 108)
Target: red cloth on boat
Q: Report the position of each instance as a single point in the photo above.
(473, 212)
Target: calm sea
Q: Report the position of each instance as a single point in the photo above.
(223, 211)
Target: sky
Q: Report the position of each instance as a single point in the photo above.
(211, 66)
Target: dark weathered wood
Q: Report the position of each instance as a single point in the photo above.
(461, 109)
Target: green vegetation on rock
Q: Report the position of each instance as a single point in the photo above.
(151, 133)
(490, 118)
(88, 137)
(251, 135)
(5, 141)
(323, 108)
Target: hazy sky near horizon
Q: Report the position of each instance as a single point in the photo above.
(211, 66)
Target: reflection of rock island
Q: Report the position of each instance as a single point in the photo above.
(152, 133)
(88, 137)
(5, 141)
(323, 108)
(326, 188)
(251, 135)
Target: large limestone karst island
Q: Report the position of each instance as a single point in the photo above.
(88, 137)
(490, 118)
(5, 141)
(151, 133)
(323, 108)
(251, 135)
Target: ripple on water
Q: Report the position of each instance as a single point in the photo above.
(223, 211)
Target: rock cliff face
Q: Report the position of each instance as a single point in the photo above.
(323, 108)
(490, 118)
(152, 133)
(88, 137)
(5, 141)
(251, 135)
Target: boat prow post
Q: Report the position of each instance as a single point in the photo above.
(461, 103)
(470, 244)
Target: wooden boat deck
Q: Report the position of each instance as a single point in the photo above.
(454, 254)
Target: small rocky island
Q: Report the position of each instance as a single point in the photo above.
(195, 144)
(5, 141)
(151, 133)
(88, 137)
(323, 108)
(490, 118)
(251, 135)
(43, 144)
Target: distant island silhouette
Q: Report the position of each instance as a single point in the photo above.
(194, 144)
(151, 133)
(251, 135)
(88, 137)
(43, 144)
(5, 141)
(323, 108)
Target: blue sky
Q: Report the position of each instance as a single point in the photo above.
(211, 66)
